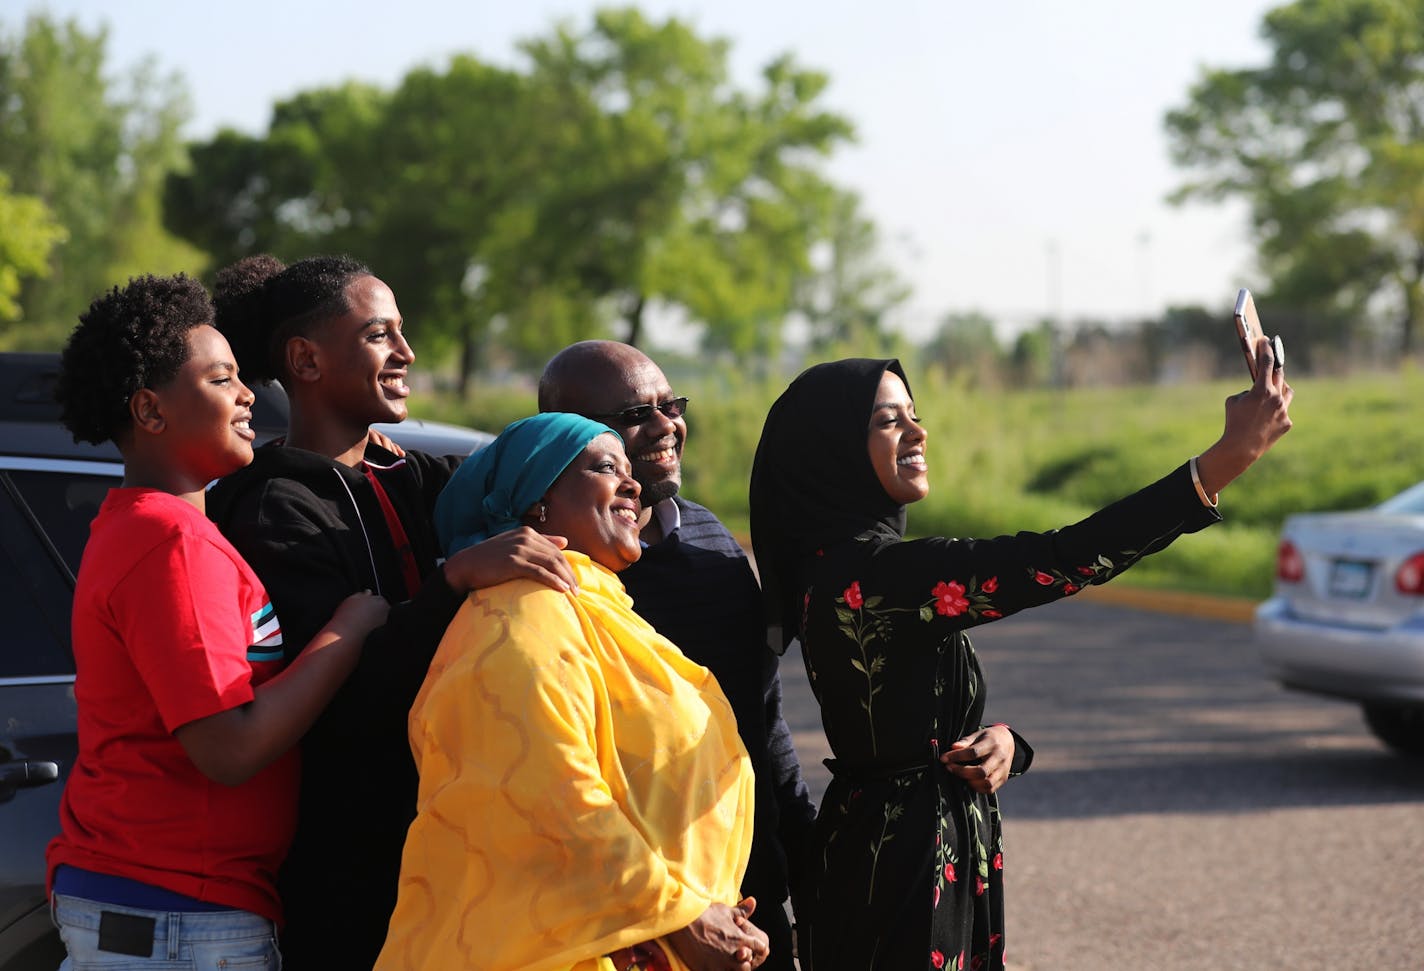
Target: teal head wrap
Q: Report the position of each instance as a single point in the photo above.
(491, 490)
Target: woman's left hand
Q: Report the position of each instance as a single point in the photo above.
(983, 759)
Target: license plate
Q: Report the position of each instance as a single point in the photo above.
(1350, 578)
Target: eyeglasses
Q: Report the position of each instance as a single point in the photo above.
(636, 415)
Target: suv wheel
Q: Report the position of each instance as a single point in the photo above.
(1401, 727)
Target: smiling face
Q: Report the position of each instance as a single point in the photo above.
(365, 356)
(206, 410)
(594, 504)
(604, 380)
(897, 442)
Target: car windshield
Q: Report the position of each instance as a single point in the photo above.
(1410, 502)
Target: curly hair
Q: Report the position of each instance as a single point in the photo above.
(261, 303)
(130, 338)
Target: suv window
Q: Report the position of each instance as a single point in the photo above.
(37, 568)
(64, 503)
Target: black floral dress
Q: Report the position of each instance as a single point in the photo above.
(908, 860)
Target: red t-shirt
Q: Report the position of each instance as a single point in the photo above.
(170, 626)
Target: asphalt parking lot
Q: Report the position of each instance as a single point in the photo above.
(1184, 812)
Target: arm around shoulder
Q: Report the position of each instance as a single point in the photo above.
(233, 745)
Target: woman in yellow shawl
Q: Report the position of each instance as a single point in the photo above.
(585, 803)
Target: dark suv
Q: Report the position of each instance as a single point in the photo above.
(50, 490)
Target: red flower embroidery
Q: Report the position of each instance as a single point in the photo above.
(1086, 571)
(990, 585)
(977, 962)
(979, 886)
(959, 962)
(936, 895)
(994, 939)
(1042, 579)
(937, 959)
(949, 598)
(998, 861)
(852, 596)
(949, 873)
(990, 613)
(1069, 588)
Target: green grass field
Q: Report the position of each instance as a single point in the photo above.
(1001, 462)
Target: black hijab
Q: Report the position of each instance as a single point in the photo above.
(812, 485)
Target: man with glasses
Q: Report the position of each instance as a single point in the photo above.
(695, 586)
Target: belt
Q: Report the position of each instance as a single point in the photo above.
(860, 775)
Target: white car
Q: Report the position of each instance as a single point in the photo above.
(1347, 616)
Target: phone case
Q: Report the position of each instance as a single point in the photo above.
(1248, 328)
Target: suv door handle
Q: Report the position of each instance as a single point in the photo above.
(26, 774)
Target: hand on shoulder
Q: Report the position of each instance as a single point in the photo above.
(517, 553)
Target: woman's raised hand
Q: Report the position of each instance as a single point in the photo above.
(1255, 420)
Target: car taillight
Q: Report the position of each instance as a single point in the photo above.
(1410, 578)
(1290, 567)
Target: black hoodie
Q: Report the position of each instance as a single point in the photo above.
(314, 531)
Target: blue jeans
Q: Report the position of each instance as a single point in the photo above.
(112, 937)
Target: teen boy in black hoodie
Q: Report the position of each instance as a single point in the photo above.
(326, 512)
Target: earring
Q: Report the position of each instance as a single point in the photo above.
(543, 509)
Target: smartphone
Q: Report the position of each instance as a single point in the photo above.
(1248, 328)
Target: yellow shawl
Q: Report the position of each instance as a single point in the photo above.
(582, 786)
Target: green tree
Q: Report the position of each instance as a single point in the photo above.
(28, 232)
(94, 151)
(617, 173)
(1036, 356)
(472, 155)
(848, 292)
(312, 183)
(694, 195)
(966, 345)
(428, 183)
(1326, 144)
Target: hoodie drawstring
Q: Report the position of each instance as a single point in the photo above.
(370, 553)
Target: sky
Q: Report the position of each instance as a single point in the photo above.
(1012, 155)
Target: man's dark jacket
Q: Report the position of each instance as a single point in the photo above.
(697, 589)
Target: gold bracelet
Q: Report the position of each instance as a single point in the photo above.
(1208, 501)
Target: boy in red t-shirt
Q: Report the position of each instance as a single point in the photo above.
(182, 801)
